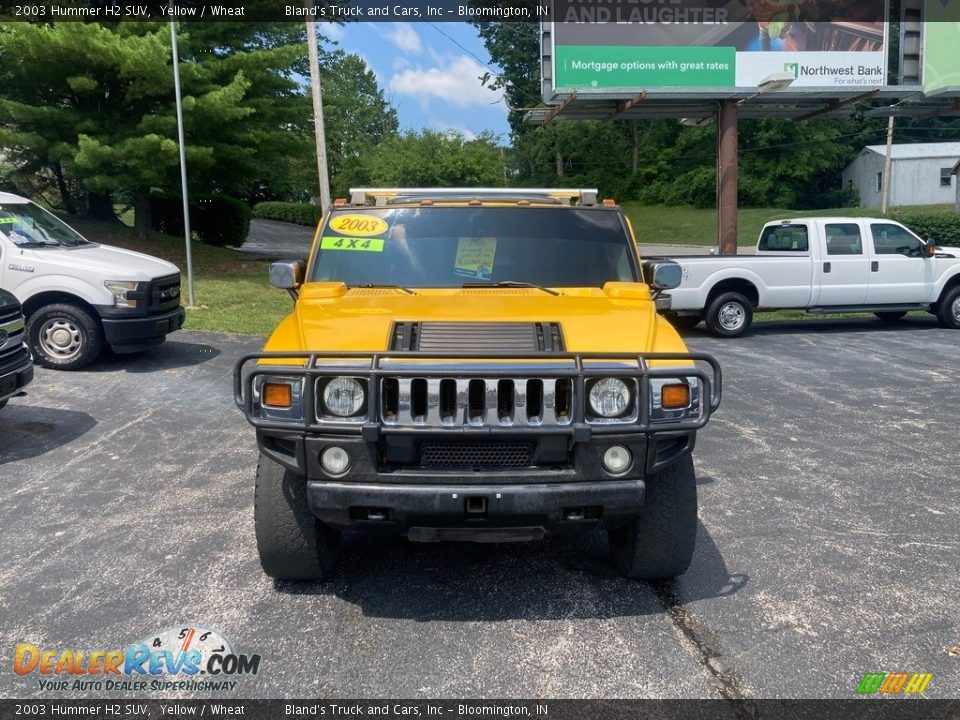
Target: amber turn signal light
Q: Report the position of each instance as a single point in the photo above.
(277, 395)
(673, 397)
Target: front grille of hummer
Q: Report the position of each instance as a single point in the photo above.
(475, 454)
(476, 402)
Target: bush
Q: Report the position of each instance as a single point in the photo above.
(299, 213)
(216, 219)
(941, 226)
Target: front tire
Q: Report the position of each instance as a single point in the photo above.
(64, 337)
(293, 544)
(891, 317)
(948, 310)
(729, 315)
(659, 543)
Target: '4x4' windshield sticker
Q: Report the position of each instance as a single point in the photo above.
(358, 244)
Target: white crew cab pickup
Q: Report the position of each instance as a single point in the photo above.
(821, 265)
(80, 297)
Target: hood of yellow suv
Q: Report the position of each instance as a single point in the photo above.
(618, 318)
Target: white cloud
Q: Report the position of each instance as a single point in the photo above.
(332, 31)
(456, 128)
(458, 82)
(404, 37)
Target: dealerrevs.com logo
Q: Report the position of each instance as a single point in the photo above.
(188, 658)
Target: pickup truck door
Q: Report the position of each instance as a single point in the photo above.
(899, 271)
(844, 270)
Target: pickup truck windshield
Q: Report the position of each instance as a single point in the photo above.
(29, 225)
(444, 247)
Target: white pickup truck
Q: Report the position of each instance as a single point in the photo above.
(822, 265)
(79, 296)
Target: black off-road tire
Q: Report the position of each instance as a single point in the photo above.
(948, 309)
(659, 544)
(684, 322)
(891, 317)
(729, 315)
(293, 544)
(3, 404)
(72, 323)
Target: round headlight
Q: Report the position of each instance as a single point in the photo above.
(609, 397)
(335, 460)
(343, 396)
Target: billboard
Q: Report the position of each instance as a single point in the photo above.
(628, 44)
(941, 70)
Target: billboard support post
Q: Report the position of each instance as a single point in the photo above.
(727, 176)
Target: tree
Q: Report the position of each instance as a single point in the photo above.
(430, 158)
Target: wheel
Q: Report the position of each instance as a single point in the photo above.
(684, 322)
(890, 317)
(3, 404)
(64, 337)
(729, 315)
(948, 310)
(292, 543)
(659, 543)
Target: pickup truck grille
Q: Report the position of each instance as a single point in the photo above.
(475, 455)
(11, 330)
(14, 358)
(476, 402)
(9, 314)
(164, 293)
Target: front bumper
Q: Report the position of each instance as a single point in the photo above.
(16, 374)
(135, 334)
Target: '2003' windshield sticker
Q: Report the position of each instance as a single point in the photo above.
(357, 225)
(475, 257)
(359, 244)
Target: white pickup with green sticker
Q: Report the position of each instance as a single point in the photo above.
(358, 244)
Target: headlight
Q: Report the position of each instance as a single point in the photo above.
(343, 396)
(121, 291)
(609, 397)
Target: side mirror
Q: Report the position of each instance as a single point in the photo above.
(286, 275)
(662, 274)
(930, 249)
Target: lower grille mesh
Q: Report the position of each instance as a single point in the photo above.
(471, 455)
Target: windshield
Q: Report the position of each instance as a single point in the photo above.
(29, 225)
(456, 246)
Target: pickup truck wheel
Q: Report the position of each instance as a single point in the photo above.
(659, 543)
(891, 317)
(948, 312)
(292, 543)
(64, 337)
(729, 315)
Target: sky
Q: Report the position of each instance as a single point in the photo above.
(429, 72)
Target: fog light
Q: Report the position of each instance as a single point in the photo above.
(335, 460)
(278, 395)
(616, 459)
(674, 397)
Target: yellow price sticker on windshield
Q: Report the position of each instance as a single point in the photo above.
(475, 256)
(358, 244)
(357, 225)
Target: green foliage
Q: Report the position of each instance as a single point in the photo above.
(217, 220)
(941, 226)
(299, 213)
(429, 158)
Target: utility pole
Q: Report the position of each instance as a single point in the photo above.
(887, 166)
(727, 176)
(318, 114)
(191, 300)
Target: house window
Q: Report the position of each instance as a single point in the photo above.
(879, 182)
(946, 177)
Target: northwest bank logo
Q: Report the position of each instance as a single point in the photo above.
(903, 683)
(793, 69)
(171, 659)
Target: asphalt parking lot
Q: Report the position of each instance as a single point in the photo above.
(827, 547)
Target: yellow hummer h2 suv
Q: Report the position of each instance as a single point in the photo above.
(481, 365)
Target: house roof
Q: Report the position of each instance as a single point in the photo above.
(956, 169)
(919, 151)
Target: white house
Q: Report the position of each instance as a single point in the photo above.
(922, 174)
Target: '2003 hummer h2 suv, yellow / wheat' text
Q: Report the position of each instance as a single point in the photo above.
(473, 364)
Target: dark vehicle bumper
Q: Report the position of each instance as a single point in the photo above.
(15, 374)
(136, 334)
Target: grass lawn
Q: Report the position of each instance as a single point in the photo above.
(696, 226)
(233, 293)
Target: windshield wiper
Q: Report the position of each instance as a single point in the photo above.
(407, 290)
(510, 284)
